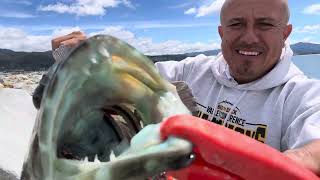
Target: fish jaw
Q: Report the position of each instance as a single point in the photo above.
(100, 73)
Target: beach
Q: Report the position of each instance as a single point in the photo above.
(21, 80)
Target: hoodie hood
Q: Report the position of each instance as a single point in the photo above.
(280, 74)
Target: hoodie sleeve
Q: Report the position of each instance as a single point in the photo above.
(178, 70)
(301, 115)
(171, 70)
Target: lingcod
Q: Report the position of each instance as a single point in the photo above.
(82, 130)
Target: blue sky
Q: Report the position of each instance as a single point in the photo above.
(153, 27)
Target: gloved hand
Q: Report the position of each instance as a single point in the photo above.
(221, 153)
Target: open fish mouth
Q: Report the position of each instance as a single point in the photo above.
(97, 99)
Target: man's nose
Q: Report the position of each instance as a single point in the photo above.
(250, 36)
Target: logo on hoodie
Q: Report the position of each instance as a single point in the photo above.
(229, 116)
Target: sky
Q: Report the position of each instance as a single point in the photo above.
(153, 27)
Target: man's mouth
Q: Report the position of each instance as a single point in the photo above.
(249, 53)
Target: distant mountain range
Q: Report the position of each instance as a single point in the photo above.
(38, 61)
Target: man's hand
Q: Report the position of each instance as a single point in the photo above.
(307, 156)
(70, 40)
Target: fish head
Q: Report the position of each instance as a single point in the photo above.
(84, 113)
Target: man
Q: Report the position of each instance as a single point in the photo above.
(253, 87)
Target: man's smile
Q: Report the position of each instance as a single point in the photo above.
(248, 53)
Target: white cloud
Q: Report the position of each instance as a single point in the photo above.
(116, 31)
(64, 30)
(307, 39)
(191, 11)
(183, 5)
(174, 47)
(147, 46)
(128, 4)
(207, 9)
(154, 25)
(85, 7)
(22, 2)
(313, 29)
(312, 9)
(16, 15)
(18, 40)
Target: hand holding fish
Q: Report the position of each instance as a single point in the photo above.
(63, 45)
(70, 40)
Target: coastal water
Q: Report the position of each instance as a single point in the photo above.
(309, 64)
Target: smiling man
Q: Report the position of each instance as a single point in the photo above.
(253, 35)
(252, 87)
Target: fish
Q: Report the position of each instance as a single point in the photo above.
(97, 99)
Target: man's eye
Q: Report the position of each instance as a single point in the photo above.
(235, 25)
(265, 25)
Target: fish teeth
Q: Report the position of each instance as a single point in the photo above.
(86, 159)
(112, 156)
(141, 124)
(96, 160)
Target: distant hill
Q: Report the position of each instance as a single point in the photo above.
(37, 61)
(298, 49)
(305, 48)
(25, 61)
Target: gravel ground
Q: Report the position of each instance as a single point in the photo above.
(20, 80)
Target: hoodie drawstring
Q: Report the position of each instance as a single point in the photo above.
(235, 105)
(215, 108)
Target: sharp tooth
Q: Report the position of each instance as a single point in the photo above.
(112, 157)
(86, 159)
(141, 124)
(96, 160)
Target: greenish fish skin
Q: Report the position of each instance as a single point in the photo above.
(102, 72)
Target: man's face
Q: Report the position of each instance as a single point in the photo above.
(253, 35)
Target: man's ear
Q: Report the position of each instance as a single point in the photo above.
(287, 31)
(220, 31)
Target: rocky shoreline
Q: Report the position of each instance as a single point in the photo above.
(21, 80)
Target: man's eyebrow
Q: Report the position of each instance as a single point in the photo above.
(267, 19)
(237, 19)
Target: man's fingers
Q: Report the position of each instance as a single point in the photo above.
(70, 43)
(307, 156)
(57, 42)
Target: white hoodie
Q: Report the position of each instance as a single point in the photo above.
(281, 109)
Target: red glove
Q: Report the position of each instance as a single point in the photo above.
(221, 153)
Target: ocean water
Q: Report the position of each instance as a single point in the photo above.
(309, 64)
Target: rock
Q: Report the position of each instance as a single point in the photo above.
(19, 85)
(20, 80)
